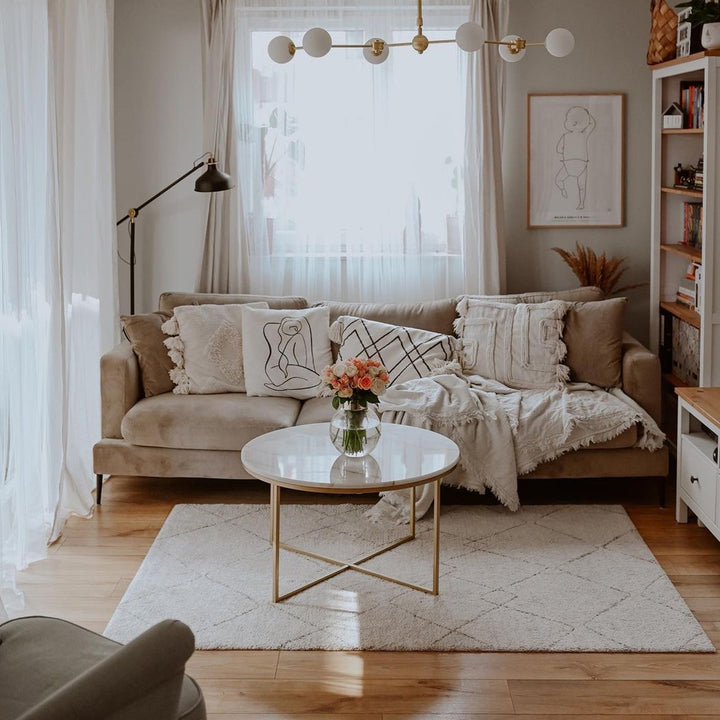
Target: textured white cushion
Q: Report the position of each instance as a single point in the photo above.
(519, 345)
(406, 353)
(285, 350)
(206, 347)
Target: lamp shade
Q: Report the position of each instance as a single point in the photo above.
(281, 49)
(560, 42)
(213, 180)
(470, 37)
(370, 56)
(317, 42)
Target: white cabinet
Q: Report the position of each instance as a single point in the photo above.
(698, 474)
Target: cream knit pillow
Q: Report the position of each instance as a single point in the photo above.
(519, 345)
(206, 347)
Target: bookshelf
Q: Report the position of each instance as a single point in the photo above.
(672, 323)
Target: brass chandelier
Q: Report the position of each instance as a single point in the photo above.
(469, 37)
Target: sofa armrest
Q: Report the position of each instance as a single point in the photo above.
(641, 376)
(120, 387)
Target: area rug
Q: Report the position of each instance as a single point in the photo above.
(546, 578)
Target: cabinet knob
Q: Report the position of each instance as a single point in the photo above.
(693, 479)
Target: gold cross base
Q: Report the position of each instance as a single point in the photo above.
(344, 566)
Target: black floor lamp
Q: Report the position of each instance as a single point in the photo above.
(212, 180)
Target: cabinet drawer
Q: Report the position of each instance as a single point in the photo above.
(698, 476)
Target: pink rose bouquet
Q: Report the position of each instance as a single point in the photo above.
(354, 381)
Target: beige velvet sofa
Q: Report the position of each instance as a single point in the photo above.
(172, 435)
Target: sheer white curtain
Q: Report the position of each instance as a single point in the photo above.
(350, 176)
(57, 289)
(483, 234)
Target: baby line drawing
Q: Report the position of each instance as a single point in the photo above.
(573, 150)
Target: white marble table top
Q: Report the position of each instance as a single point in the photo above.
(303, 457)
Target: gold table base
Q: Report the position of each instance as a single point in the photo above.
(344, 566)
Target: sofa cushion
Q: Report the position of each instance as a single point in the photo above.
(170, 300)
(518, 345)
(435, 315)
(206, 422)
(406, 353)
(580, 294)
(146, 337)
(593, 335)
(316, 410)
(206, 347)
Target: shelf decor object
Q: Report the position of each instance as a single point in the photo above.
(685, 229)
(470, 37)
(212, 180)
(576, 160)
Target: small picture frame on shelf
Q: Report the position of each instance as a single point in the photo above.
(576, 160)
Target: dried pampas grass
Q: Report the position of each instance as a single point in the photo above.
(596, 270)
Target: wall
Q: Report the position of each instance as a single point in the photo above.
(611, 41)
(158, 125)
(158, 134)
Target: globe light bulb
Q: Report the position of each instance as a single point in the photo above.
(559, 42)
(317, 42)
(507, 54)
(370, 56)
(470, 37)
(281, 49)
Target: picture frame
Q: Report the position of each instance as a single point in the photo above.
(576, 160)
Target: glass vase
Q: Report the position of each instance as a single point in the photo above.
(355, 431)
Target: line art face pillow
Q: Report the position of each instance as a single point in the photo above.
(285, 350)
(518, 345)
(406, 353)
(206, 347)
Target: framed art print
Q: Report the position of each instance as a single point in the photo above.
(576, 160)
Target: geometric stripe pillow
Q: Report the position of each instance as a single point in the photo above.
(406, 353)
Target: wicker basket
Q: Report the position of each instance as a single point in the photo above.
(663, 32)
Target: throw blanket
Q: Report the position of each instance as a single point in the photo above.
(502, 432)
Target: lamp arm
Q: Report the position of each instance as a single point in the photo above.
(163, 191)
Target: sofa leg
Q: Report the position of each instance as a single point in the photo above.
(98, 491)
(661, 482)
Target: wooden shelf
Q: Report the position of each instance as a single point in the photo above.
(682, 191)
(680, 311)
(683, 131)
(683, 60)
(694, 254)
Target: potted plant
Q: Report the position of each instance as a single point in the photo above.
(706, 15)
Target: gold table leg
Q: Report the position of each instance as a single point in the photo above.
(343, 566)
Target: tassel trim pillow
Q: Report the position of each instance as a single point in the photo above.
(520, 345)
(206, 347)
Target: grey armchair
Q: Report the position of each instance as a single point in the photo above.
(51, 669)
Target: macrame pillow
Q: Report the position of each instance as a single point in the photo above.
(285, 351)
(518, 345)
(206, 347)
(406, 353)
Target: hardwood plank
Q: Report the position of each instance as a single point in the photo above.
(488, 666)
(285, 716)
(574, 697)
(483, 716)
(351, 696)
(233, 664)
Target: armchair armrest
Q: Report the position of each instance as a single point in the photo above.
(142, 679)
(641, 376)
(120, 387)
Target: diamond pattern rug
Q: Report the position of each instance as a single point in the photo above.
(549, 578)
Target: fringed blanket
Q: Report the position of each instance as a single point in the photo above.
(503, 433)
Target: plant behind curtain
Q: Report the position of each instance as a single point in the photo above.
(57, 290)
(350, 176)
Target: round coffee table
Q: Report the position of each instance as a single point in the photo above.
(303, 458)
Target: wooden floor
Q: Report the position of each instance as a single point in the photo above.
(88, 570)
